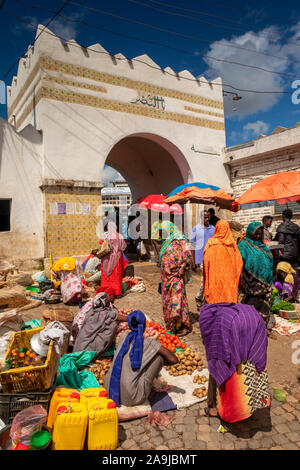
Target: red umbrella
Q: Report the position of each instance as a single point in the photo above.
(155, 202)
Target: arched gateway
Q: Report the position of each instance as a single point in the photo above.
(158, 128)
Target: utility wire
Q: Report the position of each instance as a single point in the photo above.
(172, 48)
(50, 21)
(168, 31)
(202, 21)
(222, 18)
(149, 65)
(196, 38)
(254, 13)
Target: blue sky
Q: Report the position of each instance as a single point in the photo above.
(257, 34)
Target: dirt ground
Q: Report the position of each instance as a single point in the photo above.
(282, 372)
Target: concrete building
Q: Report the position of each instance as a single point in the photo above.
(254, 160)
(75, 109)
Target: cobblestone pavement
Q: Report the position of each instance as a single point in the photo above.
(275, 429)
(278, 429)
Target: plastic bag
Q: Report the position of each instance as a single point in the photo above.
(26, 422)
(39, 276)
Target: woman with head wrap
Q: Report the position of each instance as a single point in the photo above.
(94, 327)
(137, 363)
(175, 261)
(257, 276)
(222, 266)
(113, 264)
(287, 282)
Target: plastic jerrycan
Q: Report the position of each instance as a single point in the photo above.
(69, 426)
(102, 419)
(60, 395)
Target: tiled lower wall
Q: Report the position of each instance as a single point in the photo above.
(71, 221)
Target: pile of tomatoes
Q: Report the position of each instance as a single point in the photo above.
(170, 342)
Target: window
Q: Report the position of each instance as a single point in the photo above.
(294, 206)
(5, 206)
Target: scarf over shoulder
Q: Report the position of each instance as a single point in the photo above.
(222, 264)
(258, 259)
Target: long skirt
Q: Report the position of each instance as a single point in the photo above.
(244, 392)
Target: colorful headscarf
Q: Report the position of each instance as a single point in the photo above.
(286, 268)
(258, 259)
(174, 234)
(136, 353)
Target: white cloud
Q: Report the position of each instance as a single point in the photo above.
(254, 129)
(110, 175)
(269, 41)
(65, 29)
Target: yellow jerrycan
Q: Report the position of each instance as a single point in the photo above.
(60, 395)
(102, 419)
(69, 426)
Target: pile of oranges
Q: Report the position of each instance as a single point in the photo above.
(170, 342)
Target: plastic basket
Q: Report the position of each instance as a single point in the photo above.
(12, 403)
(30, 378)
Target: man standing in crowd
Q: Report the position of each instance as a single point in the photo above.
(199, 237)
(267, 221)
(288, 234)
(213, 218)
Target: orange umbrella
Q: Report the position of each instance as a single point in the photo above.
(202, 196)
(282, 187)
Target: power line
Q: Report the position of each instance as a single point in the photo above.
(167, 46)
(202, 21)
(169, 32)
(50, 21)
(149, 65)
(196, 38)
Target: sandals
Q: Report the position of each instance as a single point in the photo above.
(206, 411)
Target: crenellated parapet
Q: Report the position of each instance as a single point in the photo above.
(70, 73)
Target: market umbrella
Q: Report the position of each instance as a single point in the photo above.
(156, 203)
(282, 187)
(207, 195)
(188, 185)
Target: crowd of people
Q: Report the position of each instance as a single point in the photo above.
(238, 277)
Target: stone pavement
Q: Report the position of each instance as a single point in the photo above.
(191, 429)
(275, 429)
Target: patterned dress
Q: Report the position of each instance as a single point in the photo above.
(175, 305)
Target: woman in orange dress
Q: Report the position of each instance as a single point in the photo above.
(222, 266)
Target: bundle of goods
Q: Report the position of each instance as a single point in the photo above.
(100, 369)
(63, 315)
(13, 296)
(188, 363)
(27, 431)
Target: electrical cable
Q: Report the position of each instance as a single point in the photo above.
(49, 22)
(158, 68)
